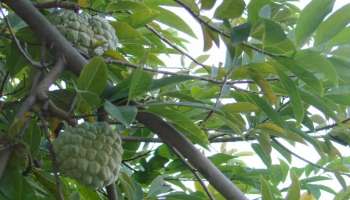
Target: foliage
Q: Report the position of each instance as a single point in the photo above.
(285, 81)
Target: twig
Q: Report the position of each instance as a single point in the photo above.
(211, 112)
(213, 28)
(30, 100)
(17, 42)
(58, 112)
(112, 192)
(164, 39)
(137, 157)
(194, 172)
(329, 126)
(50, 78)
(45, 129)
(3, 83)
(307, 161)
(129, 167)
(135, 66)
(39, 91)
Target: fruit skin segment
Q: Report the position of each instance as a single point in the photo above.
(91, 34)
(90, 153)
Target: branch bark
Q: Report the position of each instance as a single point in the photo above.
(175, 139)
(26, 10)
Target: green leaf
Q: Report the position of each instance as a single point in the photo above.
(130, 187)
(125, 5)
(183, 123)
(158, 186)
(267, 109)
(186, 196)
(87, 98)
(254, 8)
(294, 95)
(343, 37)
(319, 103)
(310, 18)
(121, 91)
(84, 3)
(265, 142)
(317, 63)
(263, 84)
(240, 107)
(274, 33)
(207, 4)
(200, 59)
(14, 59)
(173, 20)
(140, 83)
(142, 17)
(282, 151)
(265, 189)
(294, 189)
(230, 9)
(93, 77)
(240, 33)
(333, 25)
(207, 38)
(126, 32)
(343, 195)
(88, 193)
(33, 137)
(124, 114)
(261, 153)
(306, 76)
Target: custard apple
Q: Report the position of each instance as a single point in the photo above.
(91, 34)
(90, 153)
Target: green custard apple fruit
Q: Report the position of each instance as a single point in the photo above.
(90, 153)
(91, 34)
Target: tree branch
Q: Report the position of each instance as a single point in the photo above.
(45, 129)
(165, 40)
(307, 161)
(112, 192)
(215, 81)
(194, 172)
(175, 139)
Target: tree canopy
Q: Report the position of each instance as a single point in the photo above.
(284, 83)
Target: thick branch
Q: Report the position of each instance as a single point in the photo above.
(175, 139)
